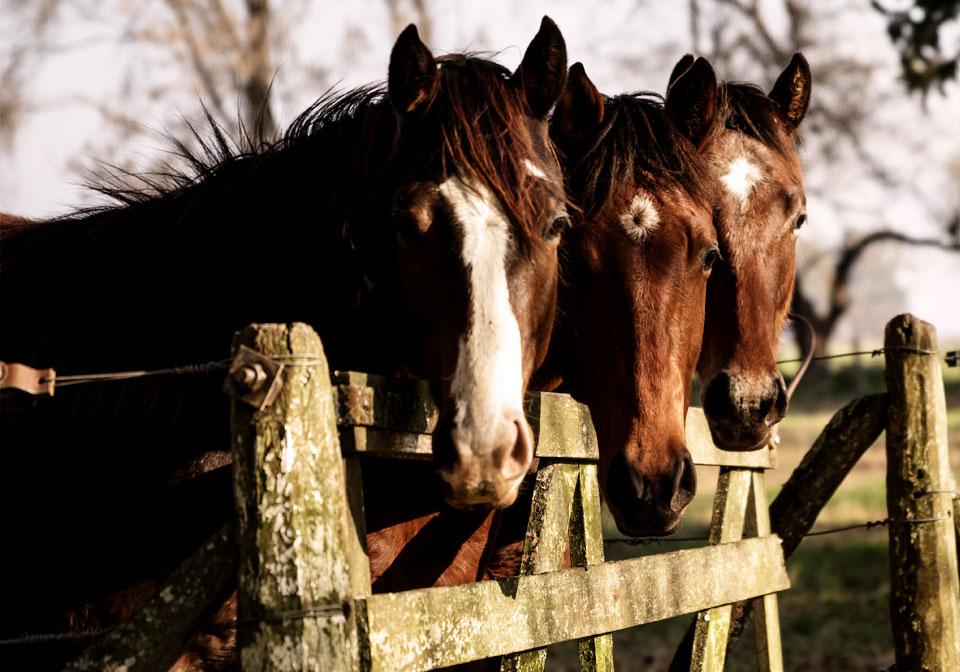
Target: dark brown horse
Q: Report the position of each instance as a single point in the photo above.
(416, 229)
(760, 209)
(634, 276)
(630, 159)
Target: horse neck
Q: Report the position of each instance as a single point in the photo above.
(169, 278)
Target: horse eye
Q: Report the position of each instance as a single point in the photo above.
(709, 256)
(801, 220)
(406, 226)
(558, 226)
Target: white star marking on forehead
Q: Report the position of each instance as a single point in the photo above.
(741, 177)
(641, 217)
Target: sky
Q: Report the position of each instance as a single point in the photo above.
(625, 46)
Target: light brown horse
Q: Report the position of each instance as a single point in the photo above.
(760, 209)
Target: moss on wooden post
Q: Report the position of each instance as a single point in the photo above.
(295, 607)
(836, 450)
(436, 627)
(729, 515)
(546, 541)
(924, 607)
(586, 548)
(769, 648)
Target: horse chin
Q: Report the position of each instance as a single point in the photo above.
(480, 501)
(741, 439)
(645, 526)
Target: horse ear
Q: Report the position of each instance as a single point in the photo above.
(692, 101)
(681, 67)
(791, 93)
(579, 111)
(543, 70)
(412, 78)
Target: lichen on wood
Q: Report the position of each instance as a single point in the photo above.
(155, 636)
(924, 597)
(294, 582)
(586, 548)
(436, 627)
(836, 450)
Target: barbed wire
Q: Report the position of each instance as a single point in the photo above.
(870, 524)
(873, 353)
(69, 380)
(185, 370)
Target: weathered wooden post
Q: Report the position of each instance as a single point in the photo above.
(925, 596)
(295, 607)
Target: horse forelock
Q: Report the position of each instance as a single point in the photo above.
(638, 142)
(488, 138)
(746, 108)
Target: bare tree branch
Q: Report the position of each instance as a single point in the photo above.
(825, 323)
(256, 69)
(194, 51)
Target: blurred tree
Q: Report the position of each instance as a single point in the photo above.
(737, 36)
(226, 52)
(916, 30)
(226, 48)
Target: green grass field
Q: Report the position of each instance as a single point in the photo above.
(835, 617)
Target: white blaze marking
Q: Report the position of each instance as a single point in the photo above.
(534, 169)
(741, 177)
(641, 218)
(488, 378)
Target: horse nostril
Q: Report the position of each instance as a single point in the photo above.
(717, 397)
(777, 408)
(763, 410)
(622, 488)
(686, 483)
(520, 454)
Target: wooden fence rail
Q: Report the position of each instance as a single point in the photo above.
(303, 607)
(299, 439)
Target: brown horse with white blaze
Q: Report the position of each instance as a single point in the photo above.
(405, 225)
(504, 297)
(760, 208)
(635, 267)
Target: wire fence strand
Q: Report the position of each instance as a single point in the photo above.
(314, 360)
(870, 524)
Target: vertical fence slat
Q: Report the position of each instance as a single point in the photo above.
(924, 607)
(153, 637)
(545, 543)
(295, 611)
(729, 513)
(586, 548)
(767, 620)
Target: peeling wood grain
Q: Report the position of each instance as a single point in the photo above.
(841, 444)
(383, 416)
(767, 623)
(291, 513)
(545, 543)
(423, 629)
(925, 596)
(586, 548)
(729, 515)
(155, 636)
